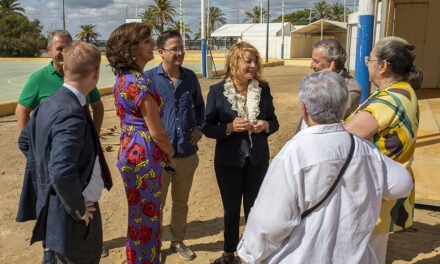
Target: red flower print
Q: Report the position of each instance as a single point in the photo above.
(145, 234)
(156, 154)
(120, 111)
(136, 154)
(149, 209)
(132, 92)
(144, 185)
(115, 94)
(131, 255)
(133, 196)
(133, 232)
(121, 83)
(124, 143)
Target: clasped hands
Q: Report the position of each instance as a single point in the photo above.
(241, 125)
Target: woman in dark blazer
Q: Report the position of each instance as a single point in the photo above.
(240, 115)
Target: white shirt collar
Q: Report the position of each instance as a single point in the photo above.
(78, 94)
(320, 129)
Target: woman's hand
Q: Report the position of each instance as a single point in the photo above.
(259, 126)
(238, 125)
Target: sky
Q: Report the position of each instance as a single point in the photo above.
(109, 14)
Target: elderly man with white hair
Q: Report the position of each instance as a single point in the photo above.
(321, 196)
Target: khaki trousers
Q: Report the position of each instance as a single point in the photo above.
(181, 184)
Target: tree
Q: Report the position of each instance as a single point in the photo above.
(165, 12)
(254, 15)
(150, 17)
(13, 6)
(216, 18)
(87, 33)
(321, 9)
(336, 12)
(20, 37)
(300, 17)
(177, 26)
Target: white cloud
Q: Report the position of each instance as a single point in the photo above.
(108, 14)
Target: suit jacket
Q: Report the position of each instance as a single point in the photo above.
(219, 113)
(60, 145)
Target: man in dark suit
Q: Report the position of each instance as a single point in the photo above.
(63, 151)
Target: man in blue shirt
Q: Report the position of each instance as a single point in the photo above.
(183, 116)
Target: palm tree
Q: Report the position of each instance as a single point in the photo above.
(165, 12)
(150, 17)
(336, 12)
(255, 15)
(321, 9)
(216, 18)
(87, 33)
(176, 25)
(11, 6)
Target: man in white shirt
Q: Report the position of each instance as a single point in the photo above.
(339, 230)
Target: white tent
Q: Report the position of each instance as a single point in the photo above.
(256, 35)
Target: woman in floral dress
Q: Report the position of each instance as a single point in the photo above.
(145, 147)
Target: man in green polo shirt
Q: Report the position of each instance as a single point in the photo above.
(46, 81)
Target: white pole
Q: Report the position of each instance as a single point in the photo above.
(208, 26)
(282, 21)
(261, 12)
(181, 17)
(310, 16)
(136, 9)
(203, 40)
(183, 28)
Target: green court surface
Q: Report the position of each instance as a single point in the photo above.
(15, 72)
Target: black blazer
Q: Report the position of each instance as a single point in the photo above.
(218, 114)
(60, 145)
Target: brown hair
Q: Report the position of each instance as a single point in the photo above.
(123, 44)
(61, 33)
(80, 60)
(236, 53)
(166, 35)
(400, 55)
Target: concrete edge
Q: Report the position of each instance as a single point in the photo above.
(8, 107)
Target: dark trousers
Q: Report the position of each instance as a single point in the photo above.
(85, 246)
(235, 183)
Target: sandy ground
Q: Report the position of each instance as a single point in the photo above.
(204, 232)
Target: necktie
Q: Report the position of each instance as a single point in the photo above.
(105, 171)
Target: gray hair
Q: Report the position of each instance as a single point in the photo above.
(60, 33)
(400, 55)
(324, 95)
(334, 51)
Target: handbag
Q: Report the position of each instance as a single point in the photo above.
(341, 172)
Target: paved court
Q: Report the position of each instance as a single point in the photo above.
(14, 72)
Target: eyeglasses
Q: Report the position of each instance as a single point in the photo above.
(175, 50)
(368, 60)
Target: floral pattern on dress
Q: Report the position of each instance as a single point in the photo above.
(140, 163)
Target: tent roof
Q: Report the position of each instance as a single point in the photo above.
(328, 25)
(231, 30)
(238, 30)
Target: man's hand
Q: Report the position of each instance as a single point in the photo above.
(259, 126)
(196, 135)
(240, 125)
(88, 216)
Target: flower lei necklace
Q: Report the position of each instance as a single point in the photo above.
(246, 107)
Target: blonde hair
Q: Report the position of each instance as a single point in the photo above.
(236, 54)
(80, 59)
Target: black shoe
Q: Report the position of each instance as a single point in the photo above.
(104, 252)
(49, 257)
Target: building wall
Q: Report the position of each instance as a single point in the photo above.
(302, 44)
(422, 30)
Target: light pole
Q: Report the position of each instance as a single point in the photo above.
(267, 32)
(64, 17)
(282, 22)
(203, 40)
